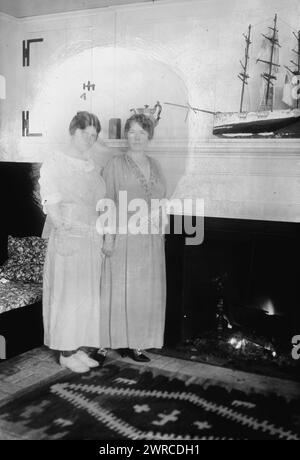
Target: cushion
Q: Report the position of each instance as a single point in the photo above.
(26, 258)
(16, 294)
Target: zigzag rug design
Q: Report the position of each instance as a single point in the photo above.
(131, 402)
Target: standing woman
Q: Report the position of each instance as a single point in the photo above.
(133, 288)
(70, 187)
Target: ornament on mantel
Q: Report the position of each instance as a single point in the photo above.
(150, 113)
(114, 128)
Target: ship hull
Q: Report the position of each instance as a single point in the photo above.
(256, 123)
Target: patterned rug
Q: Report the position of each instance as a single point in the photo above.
(124, 401)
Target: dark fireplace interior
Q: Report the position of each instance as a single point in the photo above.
(244, 276)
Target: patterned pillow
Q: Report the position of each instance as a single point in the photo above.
(26, 259)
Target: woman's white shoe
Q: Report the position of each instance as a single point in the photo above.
(85, 359)
(73, 363)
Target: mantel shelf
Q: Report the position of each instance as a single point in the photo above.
(220, 147)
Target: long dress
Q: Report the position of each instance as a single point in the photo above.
(71, 298)
(133, 284)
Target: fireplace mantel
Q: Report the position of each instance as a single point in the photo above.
(237, 178)
(184, 148)
(219, 146)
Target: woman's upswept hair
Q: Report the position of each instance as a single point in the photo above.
(84, 119)
(145, 122)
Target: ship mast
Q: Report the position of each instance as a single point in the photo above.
(268, 76)
(296, 71)
(244, 75)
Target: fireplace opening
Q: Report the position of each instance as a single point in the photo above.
(237, 294)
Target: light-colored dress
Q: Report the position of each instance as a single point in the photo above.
(133, 284)
(71, 298)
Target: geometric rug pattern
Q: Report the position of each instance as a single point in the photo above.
(122, 401)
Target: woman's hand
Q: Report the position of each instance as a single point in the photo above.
(108, 246)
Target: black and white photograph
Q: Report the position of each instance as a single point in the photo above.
(150, 222)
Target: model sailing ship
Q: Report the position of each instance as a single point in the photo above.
(267, 121)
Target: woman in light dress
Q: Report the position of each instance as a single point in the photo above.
(133, 285)
(71, 186)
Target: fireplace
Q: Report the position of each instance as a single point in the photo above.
(251, 266)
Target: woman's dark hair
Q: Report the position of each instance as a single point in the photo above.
(82, 120)
(145, 122)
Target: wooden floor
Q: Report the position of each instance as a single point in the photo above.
(40, 364)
